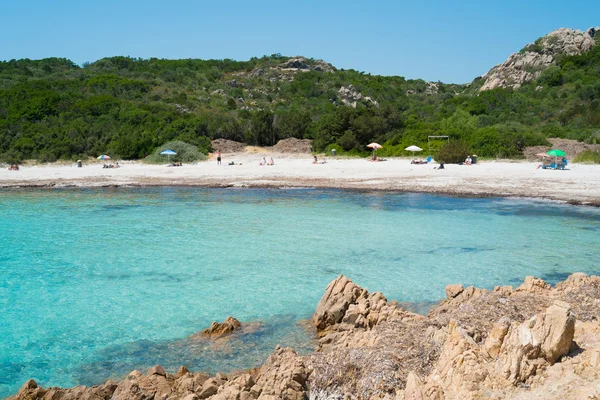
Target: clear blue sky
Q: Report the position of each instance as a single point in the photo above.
(451, 41)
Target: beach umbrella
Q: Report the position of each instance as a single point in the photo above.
(556, 153)
(413, 148)
(375, 147)
(103, 157)
(168, 153)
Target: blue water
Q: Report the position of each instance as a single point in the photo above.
(97, 282)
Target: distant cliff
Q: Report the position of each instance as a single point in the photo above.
(529, 63)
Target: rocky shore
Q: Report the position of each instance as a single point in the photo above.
(530, 342)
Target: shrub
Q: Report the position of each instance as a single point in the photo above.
(185, 153)
(12, 157)
(453, 152)
(341, 152)
(589, 157)
(348, 141)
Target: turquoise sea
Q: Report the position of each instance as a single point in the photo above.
(97, 282)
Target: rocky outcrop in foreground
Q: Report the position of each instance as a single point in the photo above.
(532, 342)
(529, 63)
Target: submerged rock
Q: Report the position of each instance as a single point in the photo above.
(217, 330)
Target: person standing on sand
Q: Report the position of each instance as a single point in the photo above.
(218, 157)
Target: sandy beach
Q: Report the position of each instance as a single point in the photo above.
(579, 184)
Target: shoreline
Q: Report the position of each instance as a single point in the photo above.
(368, 346)
(440, 192)
(579, 185)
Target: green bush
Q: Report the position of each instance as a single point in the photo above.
(341, 152)
(185, 153)
(453, 152)
(12, 157)
(588, 157)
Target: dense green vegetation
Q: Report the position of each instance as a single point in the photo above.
(591, 157)
(185, 153)
(53, 109)
(453, 152)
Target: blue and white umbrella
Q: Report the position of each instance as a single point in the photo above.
(168, 153)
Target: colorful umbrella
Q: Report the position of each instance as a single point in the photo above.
(556, 153)
(103, 157)
(374, 146)
(168, 153)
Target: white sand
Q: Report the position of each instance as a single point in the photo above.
(579, 184)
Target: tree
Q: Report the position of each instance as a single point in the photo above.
(261, 128)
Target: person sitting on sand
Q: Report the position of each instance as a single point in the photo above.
(441, 166)
(271, 162)
(263, 162)
(468, 161)
(316, 160)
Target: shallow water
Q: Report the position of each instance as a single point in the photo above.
(97, 282)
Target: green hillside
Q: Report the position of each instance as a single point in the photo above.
(54, 109)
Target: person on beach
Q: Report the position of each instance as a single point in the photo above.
(468, 161)
(218, 157)
(263, 162)
(271, 162)
(316, 160)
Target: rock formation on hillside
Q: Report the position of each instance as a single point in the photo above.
(301, 63)
(528, 64)
(532, 342)
(351, 97)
